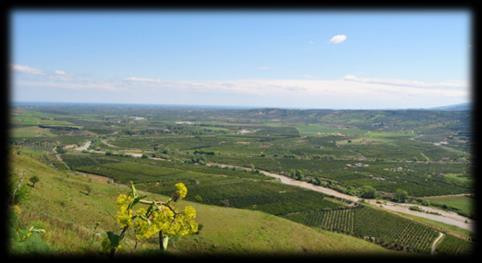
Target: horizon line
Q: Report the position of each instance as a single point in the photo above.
(228, 106)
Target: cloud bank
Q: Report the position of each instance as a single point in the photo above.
(347, 92)
(26, 69)
(60, 72)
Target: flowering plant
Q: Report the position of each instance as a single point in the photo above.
(159, 218)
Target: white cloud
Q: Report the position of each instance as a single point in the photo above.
(408, 83)
(26, 69)
(81, 85)
(337, 39)
(60, 72)
(348, 86)
(140, 79)
(305, 91)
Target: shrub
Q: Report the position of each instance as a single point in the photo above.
(34, 180)
(400, 196)
(415, 208)
(368, 191)
(198, 198)
(20, 193)
(88, 189)
(25, 240)
(316, 181)
(33, 244)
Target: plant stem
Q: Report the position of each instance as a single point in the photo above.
(163, 241)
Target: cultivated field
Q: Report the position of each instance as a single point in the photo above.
(417, 157)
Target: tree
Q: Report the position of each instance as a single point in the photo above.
(425, 202)
(368, 191)
(316, 181)
(400, 196)
(34, 180)
(292, 173)
(298, 174)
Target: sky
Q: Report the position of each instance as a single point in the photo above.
(286, 59)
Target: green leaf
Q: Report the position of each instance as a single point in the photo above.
(133, 189)
(113, 238)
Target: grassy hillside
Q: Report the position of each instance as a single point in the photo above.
(59, 205)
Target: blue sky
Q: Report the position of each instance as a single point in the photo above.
(275, 59)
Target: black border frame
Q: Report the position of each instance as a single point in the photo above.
(9, 6)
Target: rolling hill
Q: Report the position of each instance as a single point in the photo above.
(59, 205)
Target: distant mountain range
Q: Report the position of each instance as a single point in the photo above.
(455, 107)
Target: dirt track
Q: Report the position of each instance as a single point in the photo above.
(84, 147)
(108, 144)
(446, 217)
(436, 242)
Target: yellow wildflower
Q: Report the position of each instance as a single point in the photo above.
(181, 190)
(142, 228)
(124, 199)
(124, 216)
(190, 212)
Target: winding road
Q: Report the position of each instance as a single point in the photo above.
(447, 217)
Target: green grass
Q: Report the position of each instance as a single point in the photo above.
(30, 131)
(453, 246)
(458, 178)
(462, 204)
(36, 118)
(58, 205)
